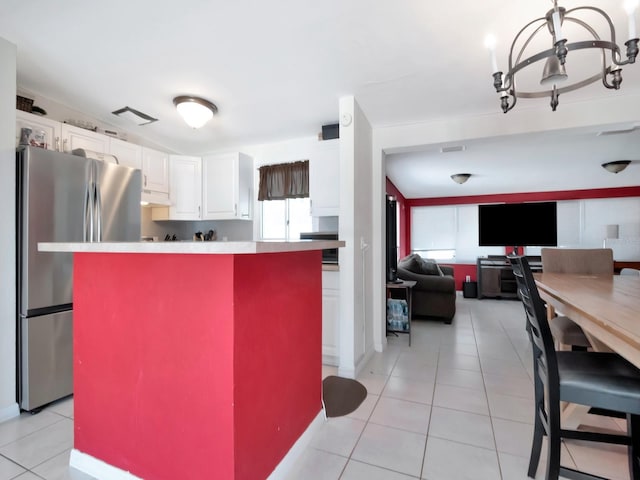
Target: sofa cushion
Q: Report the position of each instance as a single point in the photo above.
(430, 267)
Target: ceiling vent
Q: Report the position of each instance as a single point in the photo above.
(454, 148)
(134, 116)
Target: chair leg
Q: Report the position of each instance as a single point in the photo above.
(536, 447)
(553, 456)
(633, 430)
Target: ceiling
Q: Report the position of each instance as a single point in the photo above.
(277, 69)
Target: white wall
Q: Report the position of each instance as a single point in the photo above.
(8, 405)
(356, 229)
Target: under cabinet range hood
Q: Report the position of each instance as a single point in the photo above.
(154, 199)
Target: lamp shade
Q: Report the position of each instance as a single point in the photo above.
(195, 111)
(612, 231)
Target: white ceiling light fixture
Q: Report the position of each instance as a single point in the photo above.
(196, 111)
(460, 177)
(554, 73)
(617, 166)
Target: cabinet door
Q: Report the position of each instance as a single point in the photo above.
(324, 179)
(155, 170)
(330, 317)
(75, 137)
(220, 186)
(245, 187)
(185, 193)
(52, 129)
(128, 154)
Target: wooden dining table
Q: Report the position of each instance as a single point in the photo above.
(607, 307)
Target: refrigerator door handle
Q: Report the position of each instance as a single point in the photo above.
(87, 221)
(98, 213)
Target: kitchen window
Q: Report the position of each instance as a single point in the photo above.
(285, 219)
(284, 200)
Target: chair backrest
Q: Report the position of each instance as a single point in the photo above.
(630, 271)
(545, 362)
(591, 261)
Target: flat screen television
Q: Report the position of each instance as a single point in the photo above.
(518, 225)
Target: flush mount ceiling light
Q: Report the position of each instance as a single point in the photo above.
(196, 111)
(554, 72)
(617, 166)
(460, 177)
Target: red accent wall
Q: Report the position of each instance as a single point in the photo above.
(462, 270)
(195, 366)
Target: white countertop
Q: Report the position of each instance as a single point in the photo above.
(189, 247)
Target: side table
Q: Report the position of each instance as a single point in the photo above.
(407, 286)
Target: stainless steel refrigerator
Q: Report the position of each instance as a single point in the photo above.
(61, 198)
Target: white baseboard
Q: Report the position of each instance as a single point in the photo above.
(97, 468)
(9, 412)
(285, 467)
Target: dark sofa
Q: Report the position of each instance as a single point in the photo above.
(435, 292)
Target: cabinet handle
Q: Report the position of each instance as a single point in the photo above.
(64, 145)
(199, 213)
(57, 144)
(145, 180)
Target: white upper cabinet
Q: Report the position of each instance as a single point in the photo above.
(76, 137)
(185, 192)
(50, 129)
(128, 154)
(227, 186)
(324, 179)
(155, 171)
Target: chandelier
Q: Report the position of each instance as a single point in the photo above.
(554, 75)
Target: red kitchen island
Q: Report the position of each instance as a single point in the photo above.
(194, 360)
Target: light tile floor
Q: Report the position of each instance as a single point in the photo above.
(455, 405)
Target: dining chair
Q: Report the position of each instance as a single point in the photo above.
(596, 379)
(589, 261)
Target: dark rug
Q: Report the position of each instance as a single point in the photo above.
(341, 396)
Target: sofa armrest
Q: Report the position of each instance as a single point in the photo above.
(447, 270)
(429, 283)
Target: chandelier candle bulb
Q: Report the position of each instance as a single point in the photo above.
(630, 6)
(490, 44)
(557, 26)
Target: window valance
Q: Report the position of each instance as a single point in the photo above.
(284, 180)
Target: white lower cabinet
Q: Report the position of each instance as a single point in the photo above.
(330, 318)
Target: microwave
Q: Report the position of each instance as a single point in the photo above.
(329, 255)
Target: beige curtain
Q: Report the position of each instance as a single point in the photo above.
(285, 180)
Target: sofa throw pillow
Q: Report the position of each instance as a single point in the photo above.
(430, 267)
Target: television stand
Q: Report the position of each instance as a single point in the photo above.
(495, 276)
